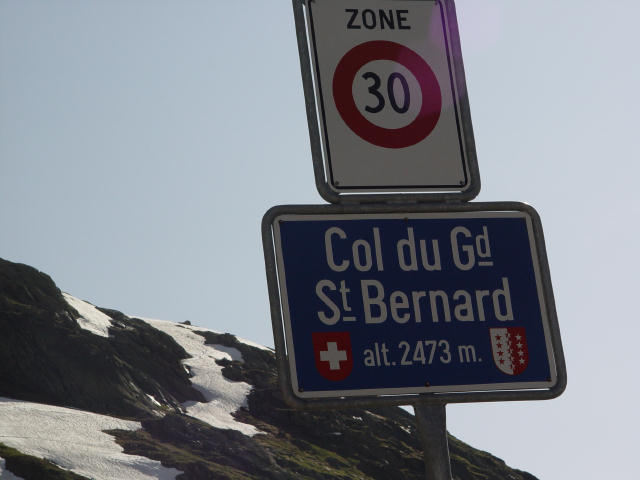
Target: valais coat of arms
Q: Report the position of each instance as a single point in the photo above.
(510, 351)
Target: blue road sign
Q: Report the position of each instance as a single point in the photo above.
(413, 303)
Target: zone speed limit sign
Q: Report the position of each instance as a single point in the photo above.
(392, 111)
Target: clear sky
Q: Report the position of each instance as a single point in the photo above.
(141, 141)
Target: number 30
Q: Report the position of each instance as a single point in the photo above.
(374, 89)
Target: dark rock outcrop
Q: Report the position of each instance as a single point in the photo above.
(47, 358)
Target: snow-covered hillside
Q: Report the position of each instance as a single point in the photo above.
(223, 396)
(75, 440)
(91, 318)
(143, 399)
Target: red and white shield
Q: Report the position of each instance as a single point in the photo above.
(510, 351)
(332, 351)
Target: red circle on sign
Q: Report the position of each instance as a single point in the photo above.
(408, 135)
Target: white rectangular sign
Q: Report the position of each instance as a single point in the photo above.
(388, 86)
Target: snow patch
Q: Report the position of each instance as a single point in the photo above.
(91, 318)
(75, 440)
(234, 353)
(6, 474)
(223, 397)
(254, 344)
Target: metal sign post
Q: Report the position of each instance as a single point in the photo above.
(387, 297)
(432, 425)
(412, 304)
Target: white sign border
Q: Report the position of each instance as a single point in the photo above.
(409, 390)
(315, 120)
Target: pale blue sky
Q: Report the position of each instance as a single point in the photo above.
(141, 142)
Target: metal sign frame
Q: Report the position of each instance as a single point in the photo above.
(334, 194)
(435, 398)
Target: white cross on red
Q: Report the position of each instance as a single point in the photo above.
(333, 356)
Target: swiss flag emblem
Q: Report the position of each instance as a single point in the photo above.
(332, 351)
(510, 351)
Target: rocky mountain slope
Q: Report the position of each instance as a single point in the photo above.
(92, 393)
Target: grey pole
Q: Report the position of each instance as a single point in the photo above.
(432, 424)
